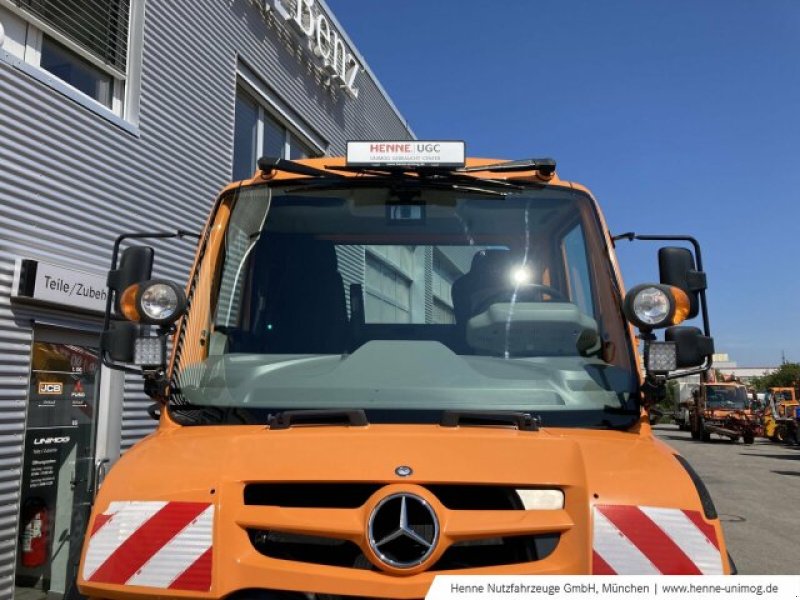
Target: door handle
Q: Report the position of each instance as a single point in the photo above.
(100, 471)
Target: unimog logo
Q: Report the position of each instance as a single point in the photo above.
(46, 441)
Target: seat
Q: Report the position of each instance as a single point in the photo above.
(489, 274)
(298, 296)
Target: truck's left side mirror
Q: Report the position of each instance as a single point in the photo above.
(677, 268)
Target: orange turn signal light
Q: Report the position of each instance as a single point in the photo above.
(127, 303)
(682, 305)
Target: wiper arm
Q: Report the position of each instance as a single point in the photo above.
(287, 418)
(523, 421)
(425, 174)
(272, 163)
(490, 187)
(546, 166)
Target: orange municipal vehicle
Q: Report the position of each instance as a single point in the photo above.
(724, 409)
(782, 415)
(395, 365)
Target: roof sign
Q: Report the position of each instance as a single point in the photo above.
(417, 153)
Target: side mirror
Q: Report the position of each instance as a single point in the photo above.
(135, 266)
(691, 346)
(677, 268)
(119, 341)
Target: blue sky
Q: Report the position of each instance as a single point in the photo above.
(681, 117)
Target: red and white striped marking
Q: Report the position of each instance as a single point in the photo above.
(164, 545)
(643, 540)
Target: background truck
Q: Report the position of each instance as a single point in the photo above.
(684, 401)
(395, 365)
(781, 415)
(724, 409)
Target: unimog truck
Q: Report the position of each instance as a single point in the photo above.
(395, 365)
(726, 410)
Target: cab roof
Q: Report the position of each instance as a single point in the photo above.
(532, 175)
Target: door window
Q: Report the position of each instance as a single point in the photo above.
(58, 464)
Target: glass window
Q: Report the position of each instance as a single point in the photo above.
(57, 465)
(476, 335)
(257, 134)
(387, 294)
(99, 26)
(274, 138)
(76, 71)
(86, 45)
(580, 290)
(298, 149)
(245, 131)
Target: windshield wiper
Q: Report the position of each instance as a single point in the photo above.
(523, 421)
(272, 163)
(545, 166)
(287, 418)
(490, 187)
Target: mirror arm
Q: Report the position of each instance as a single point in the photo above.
(696, 371)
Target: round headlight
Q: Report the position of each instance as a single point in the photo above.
(652, 306)
(160, 302)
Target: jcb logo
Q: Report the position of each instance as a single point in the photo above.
(51, 388)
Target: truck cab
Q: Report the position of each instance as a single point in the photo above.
(395, 365)
(724, 409)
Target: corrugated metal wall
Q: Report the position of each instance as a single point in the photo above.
(71, 181)
(15, 345)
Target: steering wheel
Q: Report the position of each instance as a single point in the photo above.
(529, 292)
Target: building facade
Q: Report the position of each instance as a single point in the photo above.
(120, 116)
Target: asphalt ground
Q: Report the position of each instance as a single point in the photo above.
(756, 490)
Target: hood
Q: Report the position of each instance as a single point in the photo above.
(326, 508)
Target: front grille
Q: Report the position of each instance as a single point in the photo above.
(497, 551)
(462, 555)
(517, 548)
(309, 549)
(309, 495)
(353, 495)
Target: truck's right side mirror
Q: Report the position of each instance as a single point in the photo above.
(692, 348)
(677, 268)
(146, 304)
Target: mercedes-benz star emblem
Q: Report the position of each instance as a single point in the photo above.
(403, 530)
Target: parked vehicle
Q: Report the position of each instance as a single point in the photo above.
(684, 402)
(781, 415)
(724, 409)
(392, 366)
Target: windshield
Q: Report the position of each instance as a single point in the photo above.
(401, 302)
(726, 397)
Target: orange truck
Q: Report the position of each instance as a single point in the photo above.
(724, 409)
(782, 415)
(394, 365)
